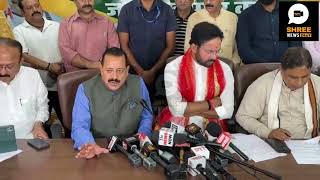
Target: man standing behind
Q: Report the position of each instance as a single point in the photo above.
(147, 35)
(284, 103)
(225, 20)
(199, 87)
(23, 96)
(183, 11)
(110, 104)
(84, 37)
(258, 33)
(39, 39)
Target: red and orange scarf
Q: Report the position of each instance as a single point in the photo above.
(187, 88)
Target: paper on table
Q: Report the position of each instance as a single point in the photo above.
(254, 147)
(4, 156)
(305, 151)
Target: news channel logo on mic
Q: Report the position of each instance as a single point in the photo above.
(298, 21)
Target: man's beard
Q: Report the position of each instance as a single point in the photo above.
(206, 64)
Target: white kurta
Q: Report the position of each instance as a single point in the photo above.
(23, 102)
(177, 106)
(252, 114)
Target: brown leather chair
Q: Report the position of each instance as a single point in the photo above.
(243, 77)
(67, 87)
(229, 62)
(246, 74)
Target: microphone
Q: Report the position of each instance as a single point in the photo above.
(221, 170)
(147, 162)
(181, 139)
(167, 156)
(198, 164)
(174, 126)
(214, 130)
(171, 170)
(131, 144)
(201, 151)
(195, 130)
(230, 158)
(134, 159)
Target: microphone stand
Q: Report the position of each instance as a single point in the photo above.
(265, 172)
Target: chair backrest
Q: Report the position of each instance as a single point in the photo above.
(229, 62)
(67, 87)
(246, 74)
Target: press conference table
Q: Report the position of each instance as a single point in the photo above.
(59, 162)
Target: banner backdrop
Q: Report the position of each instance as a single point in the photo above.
(58, 9)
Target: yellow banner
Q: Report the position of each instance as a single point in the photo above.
(5, 29)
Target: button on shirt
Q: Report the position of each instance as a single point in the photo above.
(147, 40)
(258, 35)
(23, 102)
(41, 44)
(88, 39)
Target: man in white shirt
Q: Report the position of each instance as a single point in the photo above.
(39, 39)
(23, 96)
(199, 87)
(283, 104)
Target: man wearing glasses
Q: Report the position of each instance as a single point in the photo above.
(199, 87)
(113, 103)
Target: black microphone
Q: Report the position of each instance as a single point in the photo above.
(131, 144)
(230, 158)
(179, 138)
(134, 159)
(221, 170)
(148, 163)
(215, 130)
(171, 170)
(195, 130)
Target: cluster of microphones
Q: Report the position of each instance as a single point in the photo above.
(184, 152)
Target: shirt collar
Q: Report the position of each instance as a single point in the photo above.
(47, 23)
(177, 15)
(96, 16)
(155, 4)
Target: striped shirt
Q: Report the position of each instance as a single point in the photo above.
(180, 33)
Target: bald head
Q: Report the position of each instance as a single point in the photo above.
(10, 59)
(11, 43)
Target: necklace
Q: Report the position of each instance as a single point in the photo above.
(154, 20)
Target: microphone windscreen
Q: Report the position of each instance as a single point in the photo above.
(155, 137)
(214, 129)
(187, 155)
(167, 125)
(180, 138)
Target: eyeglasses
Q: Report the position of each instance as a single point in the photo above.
(210, 51)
